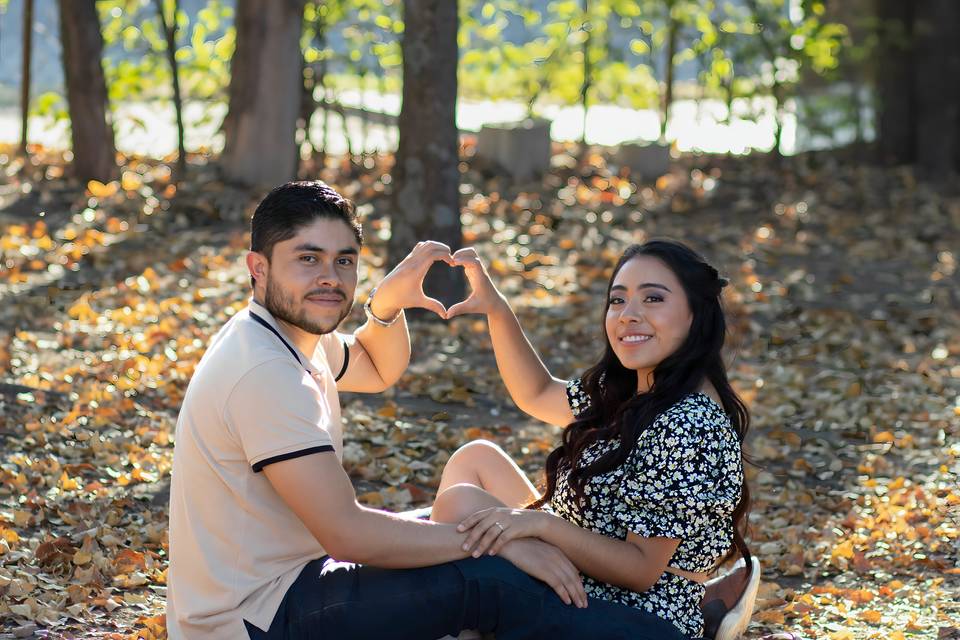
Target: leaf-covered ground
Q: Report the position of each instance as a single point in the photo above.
(846, 312)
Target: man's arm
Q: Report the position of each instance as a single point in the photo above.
(318, 490)
(379, 354)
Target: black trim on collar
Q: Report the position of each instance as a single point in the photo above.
(277, 333)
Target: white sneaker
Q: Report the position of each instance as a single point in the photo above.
(737, 618)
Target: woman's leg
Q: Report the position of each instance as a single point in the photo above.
(455, 503)
(485, 465)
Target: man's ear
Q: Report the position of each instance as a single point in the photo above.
(258, 266)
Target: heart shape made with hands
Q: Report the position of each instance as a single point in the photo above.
(479, 286)
(441, 272)
(410, 281)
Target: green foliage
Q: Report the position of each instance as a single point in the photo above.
(494, 69)
(137, 68)
(510, 49)
(760, 48)
(353, 37)
(50, 105)
(550, 63)
(773, 44)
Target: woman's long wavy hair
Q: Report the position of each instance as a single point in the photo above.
(617, 411)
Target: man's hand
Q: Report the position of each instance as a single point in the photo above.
(547, 563)
(402, 288)
(484, 296)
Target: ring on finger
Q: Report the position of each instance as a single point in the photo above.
(502, 528)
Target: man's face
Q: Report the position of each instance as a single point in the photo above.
(311, 278)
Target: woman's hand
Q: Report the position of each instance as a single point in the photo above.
(484, 296)
(492, 528)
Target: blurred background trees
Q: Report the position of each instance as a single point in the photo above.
(86, 91)
(264, 99)
(266, 90)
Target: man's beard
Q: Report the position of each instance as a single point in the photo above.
(282, 306)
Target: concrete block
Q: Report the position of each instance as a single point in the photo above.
(522, 149)
(649, 159)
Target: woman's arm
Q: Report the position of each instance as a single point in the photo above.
(531, 385)
(635, 563)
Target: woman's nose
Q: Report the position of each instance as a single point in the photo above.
(631, 313)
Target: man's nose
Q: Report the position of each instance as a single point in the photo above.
(327, 275)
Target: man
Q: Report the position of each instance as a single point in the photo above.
(259, 497)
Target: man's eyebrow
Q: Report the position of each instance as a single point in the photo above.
(645, 285)
(315, 249)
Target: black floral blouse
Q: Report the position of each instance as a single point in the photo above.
(682, 480)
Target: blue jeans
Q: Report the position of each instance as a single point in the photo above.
(333, 600)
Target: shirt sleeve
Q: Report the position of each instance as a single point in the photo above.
(577, 398)
(679, 480)
(333, 347)
(278, 412)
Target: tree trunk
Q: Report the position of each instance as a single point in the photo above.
(321, 81)
(778, 103)
(937, 58)
(169, 28)
(671, 53)
(308, 105)
(426, 176)
(25, 76)
(587, 73)
(896, 135)
(94, 153)
(776, 89)
(265, 86)
(364, 118)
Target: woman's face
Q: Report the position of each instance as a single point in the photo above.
(649, 316)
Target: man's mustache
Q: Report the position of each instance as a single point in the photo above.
(326, 292)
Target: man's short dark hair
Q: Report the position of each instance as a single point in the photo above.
(294, 205)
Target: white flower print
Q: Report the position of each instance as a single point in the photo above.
(682, 480)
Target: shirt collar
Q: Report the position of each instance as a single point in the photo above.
(260, 310)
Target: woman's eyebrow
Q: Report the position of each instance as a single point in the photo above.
(645, 285)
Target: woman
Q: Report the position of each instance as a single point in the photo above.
(646, 491)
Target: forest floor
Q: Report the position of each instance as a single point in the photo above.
(845, 309)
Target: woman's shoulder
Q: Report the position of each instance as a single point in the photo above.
(694, 426)
(694, 412)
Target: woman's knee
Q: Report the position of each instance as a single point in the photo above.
(478, 450)
(466, 463)
(456, 502)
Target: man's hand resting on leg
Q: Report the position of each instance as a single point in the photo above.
(547, 563)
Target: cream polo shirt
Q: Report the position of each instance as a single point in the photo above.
(235, 546)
